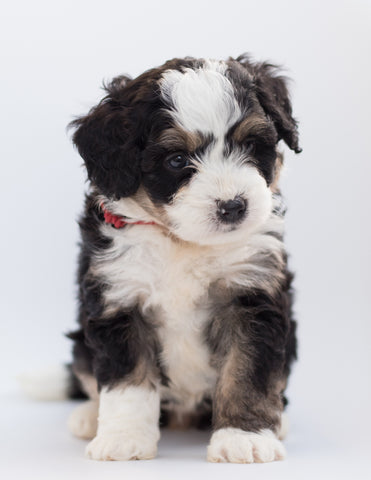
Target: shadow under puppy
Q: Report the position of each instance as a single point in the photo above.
(184, 293)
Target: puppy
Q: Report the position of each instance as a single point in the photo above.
(184, 292)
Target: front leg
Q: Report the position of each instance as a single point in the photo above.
(254, 342)
(245, 421)
(127, 424)
(129, 401)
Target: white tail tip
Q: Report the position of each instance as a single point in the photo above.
(47, 384)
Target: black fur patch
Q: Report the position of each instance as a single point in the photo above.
(161, 183)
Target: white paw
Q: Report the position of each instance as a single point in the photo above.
(121, 446)
(237, 446)
(83, 421)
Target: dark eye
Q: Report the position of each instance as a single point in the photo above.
(250, 146)
(177, 161)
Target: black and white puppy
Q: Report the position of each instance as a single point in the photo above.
(185, 301)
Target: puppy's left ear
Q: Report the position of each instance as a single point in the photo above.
(271, 90)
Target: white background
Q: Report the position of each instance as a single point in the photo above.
(54, 56)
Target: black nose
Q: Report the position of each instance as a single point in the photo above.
(232, 211)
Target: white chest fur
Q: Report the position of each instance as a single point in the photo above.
(170, 280)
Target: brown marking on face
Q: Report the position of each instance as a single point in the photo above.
(176, 138)
(158, 212)
(254, 125)
(160, 216)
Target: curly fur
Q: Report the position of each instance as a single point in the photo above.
(191, 315)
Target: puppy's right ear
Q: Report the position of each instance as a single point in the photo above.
(104, 138)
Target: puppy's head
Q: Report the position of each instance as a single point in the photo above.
(194, 143)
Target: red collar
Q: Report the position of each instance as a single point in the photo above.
(118, 221)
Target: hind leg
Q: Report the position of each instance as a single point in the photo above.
(83, 421)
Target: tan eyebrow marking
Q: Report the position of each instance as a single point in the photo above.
(253, 125)
(178, 139)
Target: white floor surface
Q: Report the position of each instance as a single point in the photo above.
(35, 443)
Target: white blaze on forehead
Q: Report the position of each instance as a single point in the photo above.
(203, 99)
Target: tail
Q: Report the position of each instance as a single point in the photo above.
(53, 383)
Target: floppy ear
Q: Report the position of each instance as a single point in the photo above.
(271, 90)
(105, 140)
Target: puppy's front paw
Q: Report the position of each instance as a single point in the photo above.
(237, 446)
(121, 447)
